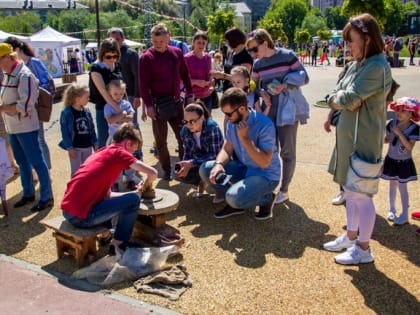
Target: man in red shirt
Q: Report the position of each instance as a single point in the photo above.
(88, 200)
(161, 70)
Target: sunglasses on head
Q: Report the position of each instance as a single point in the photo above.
(190, 122)
(111, 56)
(232, 112)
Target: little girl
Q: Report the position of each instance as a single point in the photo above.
(241, 78)
(116, 89)
(399, 168)
(77, 127)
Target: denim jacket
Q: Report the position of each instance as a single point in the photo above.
(67, 128)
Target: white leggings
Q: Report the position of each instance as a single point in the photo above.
(361, 214)
(393, 194)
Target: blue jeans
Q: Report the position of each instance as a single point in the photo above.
(43, 145)
(102, 128)
(241, 192)
(28, 154)
(208, 101)
(124, 206)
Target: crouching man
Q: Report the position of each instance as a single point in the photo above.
(250, 179)
(88, 200)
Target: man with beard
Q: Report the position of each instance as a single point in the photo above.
(250, 179)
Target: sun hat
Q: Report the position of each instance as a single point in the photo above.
(410, 104)
(5, 49)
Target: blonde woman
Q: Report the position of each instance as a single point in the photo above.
(77, 127)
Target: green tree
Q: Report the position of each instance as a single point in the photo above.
(69, 21)
(313, 24)
(23, 23)
(275, 28)
(290, 12)
(302, 37)
(218, 23)
(409, 8)
(375, 7)
(393, 16)
(334, 19)
(324, 34)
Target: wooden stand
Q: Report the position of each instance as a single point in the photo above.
(151, 221)
(79, 243)
(69, 78)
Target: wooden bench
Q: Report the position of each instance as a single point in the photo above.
(151, 220)
(79, 243)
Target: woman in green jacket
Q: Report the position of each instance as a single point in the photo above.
(362, 90)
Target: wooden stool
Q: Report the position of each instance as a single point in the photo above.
(79, 243)
(151, 216)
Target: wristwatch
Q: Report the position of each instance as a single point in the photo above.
(218, 162)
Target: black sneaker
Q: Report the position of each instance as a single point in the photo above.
(167, 176)
(228, 211)
(266, 211)
(42, 205)
(24, 200)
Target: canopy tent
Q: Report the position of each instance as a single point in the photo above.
(4, 35)
(130, 43)
(53, 48)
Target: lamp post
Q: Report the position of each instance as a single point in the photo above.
(98, 33)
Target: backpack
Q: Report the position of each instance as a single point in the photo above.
(44, 103)
(398, 45)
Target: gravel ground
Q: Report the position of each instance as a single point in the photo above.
(241, 266)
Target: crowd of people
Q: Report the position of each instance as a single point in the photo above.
(248, 162)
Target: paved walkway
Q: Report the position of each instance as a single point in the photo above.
(26, 288)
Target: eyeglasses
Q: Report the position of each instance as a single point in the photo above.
(253, 49)
(111, 57)
(232, 112)
(359, 24)
(191, 121)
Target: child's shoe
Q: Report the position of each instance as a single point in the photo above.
(401, 220)
(391, 216)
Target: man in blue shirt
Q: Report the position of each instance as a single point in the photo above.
(256, 172)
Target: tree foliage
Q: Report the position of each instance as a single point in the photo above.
(220, 22)
(275, 28)
(355, 7)
(290, 12)
(323, 34)
(393, 16)
(313, 24)
(334, 19)
(26, 23)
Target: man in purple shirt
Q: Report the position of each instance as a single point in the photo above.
(161, 70)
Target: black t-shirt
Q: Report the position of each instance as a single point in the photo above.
(243, 57)
(82, 137)
(107, 75)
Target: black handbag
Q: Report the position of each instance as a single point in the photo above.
(166, 107)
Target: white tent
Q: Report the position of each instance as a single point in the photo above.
(4, 35)
(130, 43)
(53, 48)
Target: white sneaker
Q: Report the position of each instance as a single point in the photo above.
(391, 216)
(340, 199)
(340, 243)
(354, 256)
(281, 197)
